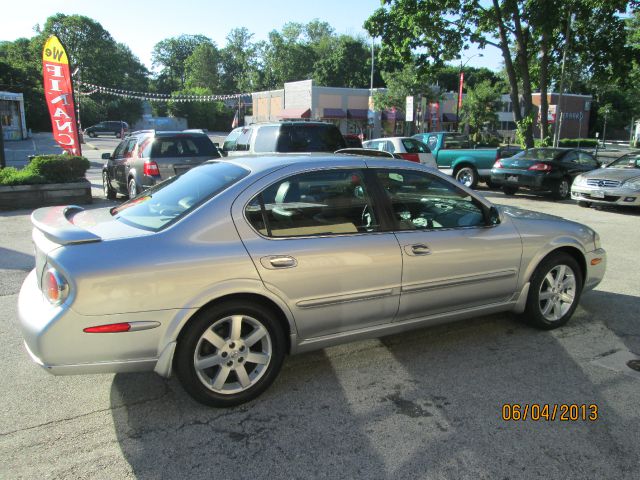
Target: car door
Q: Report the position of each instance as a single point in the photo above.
(122, 164)
(316, 240)
(587, 162)
(452, 259)
(571, 165)
(113, 163)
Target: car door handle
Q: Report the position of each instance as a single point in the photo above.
(278, 261)
(417, 249)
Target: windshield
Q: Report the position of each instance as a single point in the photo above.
(627, 161)
(538, 154)
(165, 203)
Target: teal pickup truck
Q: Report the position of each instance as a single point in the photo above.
(455, 155)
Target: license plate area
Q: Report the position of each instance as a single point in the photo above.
(512, 178)
(597, 194)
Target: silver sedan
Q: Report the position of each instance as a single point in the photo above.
(617, 184)
(217, 274)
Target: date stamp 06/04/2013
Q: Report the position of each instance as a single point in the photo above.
(550, 412)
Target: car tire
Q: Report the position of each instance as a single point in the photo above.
(213, 355)
(108, 190)
(554, 292)
(562, 189)
(118, 134)
(467, 176)
(92, 135)
(491, 185)
(510, 190)
(583, 204)
(132, 188)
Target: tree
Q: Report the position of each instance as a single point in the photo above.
(212, 115)
(403, 83)
(170, 55)
(346, 63)
(287, 56)
(440, 30)
(479, 108)
(240, 63)
(203, 68)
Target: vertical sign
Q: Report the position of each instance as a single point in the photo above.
(409, 110)
(434, 117)
(460, 86)
(58, 92)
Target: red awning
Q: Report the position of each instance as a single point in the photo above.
(295, 113)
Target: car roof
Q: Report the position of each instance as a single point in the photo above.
(266, 163)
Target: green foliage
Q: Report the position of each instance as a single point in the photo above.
(13, 176)
(202, 68)
(403, 83)
(240, 63)
(522, 127)
(47, 169)
(209, 115)
(479, 107)
(171, 54)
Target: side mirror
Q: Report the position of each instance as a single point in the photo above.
(493, 216)
(217, 145)
(106, 156)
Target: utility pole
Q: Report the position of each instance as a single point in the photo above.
(604, 128)
(460, 86)
(556, 136)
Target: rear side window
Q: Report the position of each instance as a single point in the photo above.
(310, 138)
(315, 203)
(229, 144)
(168, 201)
(244, 140)
(183, 146)
(414, 146)
(266, 139)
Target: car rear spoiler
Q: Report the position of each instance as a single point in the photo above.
(55, 223)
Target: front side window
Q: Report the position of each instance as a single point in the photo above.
(422, 201)
(314, 203)
(414, 146)
(229, 144)
(244, 140)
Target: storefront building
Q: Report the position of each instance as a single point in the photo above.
(12, 116)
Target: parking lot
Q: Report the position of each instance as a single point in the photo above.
(424, 404)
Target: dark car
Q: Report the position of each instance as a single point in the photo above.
(284, 137)
(542, 170)
(107, 128)
(353, 141)
(148, 157)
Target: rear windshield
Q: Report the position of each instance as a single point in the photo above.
(183, 146)
(539, 154)
(310, 138)
(414, 146)
(167, 202)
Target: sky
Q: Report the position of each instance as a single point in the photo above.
(142, 24)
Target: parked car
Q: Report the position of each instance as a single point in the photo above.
(542, 170)
(107, 128)
(283, 137)
(616, 184)
(456, 155)
(147, 157)
(218, 273)
(406, 147)
(353, 141)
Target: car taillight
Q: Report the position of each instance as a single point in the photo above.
(54, 287)
(412, 157)
(540, 167)
(151, 168)
(498, 164)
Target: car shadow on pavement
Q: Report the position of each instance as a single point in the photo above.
(421, 403)
(14, 260)
(302, 427)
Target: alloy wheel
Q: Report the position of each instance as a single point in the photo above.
(233, 354)
(557, 292)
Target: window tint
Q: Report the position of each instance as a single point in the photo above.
(310, 138)
(421, 201)
(432, 141)
(118, 152)
(455, 142)
(389, 147)
(157, 207)
(244, 140)
(315, 203)
(587, 160)
(414, 146)
(570, 157)
(229, 144)
(183, 146)
(129, 148)
(266, 138)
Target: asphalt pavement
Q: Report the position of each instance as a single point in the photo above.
(425, 404)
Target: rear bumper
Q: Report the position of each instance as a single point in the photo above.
(55, 340)
(522, 179)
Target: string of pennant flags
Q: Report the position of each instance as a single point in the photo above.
(155, 97)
